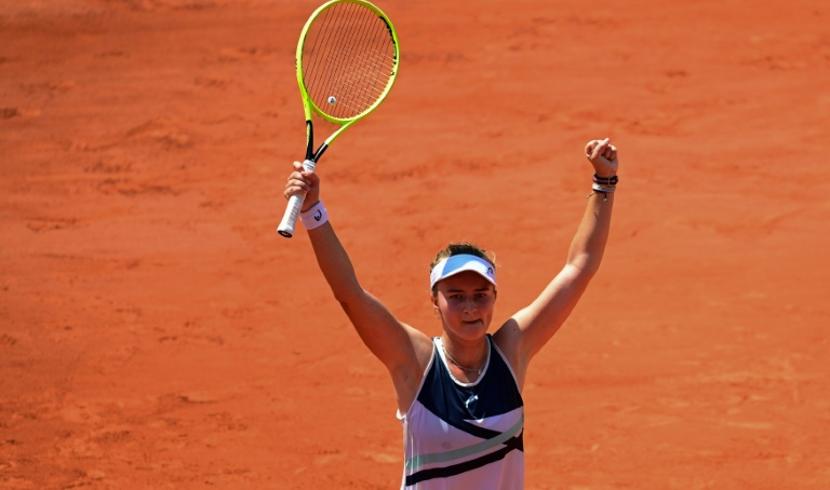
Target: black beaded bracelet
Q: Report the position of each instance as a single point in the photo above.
(606, 180)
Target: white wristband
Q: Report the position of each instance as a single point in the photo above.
(315, 217)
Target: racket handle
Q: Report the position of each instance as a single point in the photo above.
(292, 210)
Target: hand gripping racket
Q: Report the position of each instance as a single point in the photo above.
(347, 61)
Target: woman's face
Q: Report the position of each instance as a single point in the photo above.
(465, 302)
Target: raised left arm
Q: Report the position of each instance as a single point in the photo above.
(530, 328)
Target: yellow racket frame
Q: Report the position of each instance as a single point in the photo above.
(309, 106)
(292, 209)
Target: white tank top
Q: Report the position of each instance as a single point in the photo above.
(465, 435)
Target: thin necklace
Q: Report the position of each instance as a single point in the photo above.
(461, 366)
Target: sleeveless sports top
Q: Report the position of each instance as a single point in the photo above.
(465, 435)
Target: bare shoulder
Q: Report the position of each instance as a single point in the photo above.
(407, 378)
(508, 338)
(421, 345)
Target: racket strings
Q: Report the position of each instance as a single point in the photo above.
(348, 58)
(348, 54)
(352, 61)
(346, 78)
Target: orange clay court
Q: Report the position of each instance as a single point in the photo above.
(155, 332)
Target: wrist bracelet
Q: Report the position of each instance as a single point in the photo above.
(606, 180)
(315, 217)
(603, 187)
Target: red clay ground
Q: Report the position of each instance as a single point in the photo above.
(157, 333)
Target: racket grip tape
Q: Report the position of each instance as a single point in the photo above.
(295, 204)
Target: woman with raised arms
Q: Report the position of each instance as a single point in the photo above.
(459, 395)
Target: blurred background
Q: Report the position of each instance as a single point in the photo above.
(155, 332)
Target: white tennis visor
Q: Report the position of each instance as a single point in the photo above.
(450, 266)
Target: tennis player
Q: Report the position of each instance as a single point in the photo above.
(459, 395)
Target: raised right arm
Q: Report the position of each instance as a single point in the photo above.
(390, 340)
(402, 349)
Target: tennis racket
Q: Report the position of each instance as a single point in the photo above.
(347, 61)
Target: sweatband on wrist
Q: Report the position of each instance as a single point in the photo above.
(315, 217)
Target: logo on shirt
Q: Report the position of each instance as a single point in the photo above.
(470, 401)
